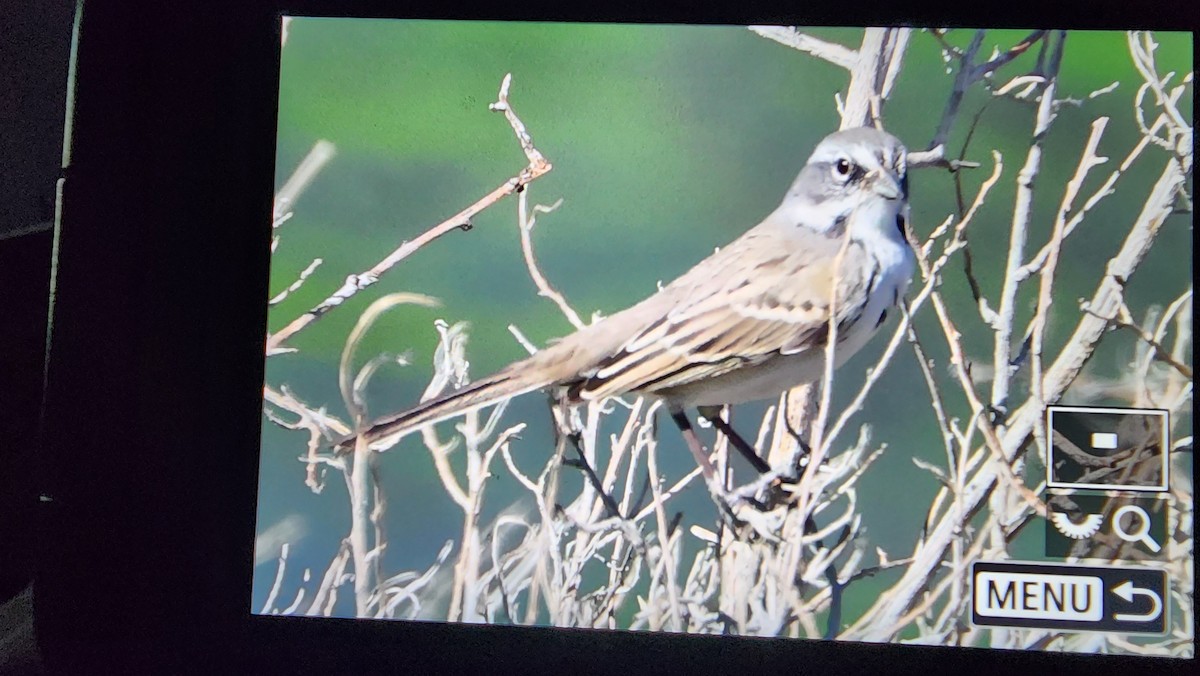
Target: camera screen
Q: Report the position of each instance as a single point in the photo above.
(876, 334)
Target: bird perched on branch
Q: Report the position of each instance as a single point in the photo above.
(747, 323)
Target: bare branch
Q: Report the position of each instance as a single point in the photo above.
(874, 70)
(525, 222)
(301, 178)
(537, 167)
(346, 380)
(666, 561)
(1037, 328)
(829, 51)
(1125, 320)
(970, 73)
(304, 274)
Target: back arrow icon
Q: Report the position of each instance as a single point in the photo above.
(1127, 591)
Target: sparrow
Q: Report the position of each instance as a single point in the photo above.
(748, 322)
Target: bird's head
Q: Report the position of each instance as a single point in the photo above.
(861, 168)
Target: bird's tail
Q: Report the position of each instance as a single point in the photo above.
(510, 382)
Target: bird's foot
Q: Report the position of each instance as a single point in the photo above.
(745, 514)
(769, 490)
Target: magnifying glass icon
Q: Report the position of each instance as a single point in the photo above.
(1140, 531)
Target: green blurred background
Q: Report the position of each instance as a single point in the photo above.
(667, 141)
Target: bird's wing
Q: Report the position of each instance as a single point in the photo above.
(724, 315)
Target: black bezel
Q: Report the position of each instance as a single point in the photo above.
(153, 401)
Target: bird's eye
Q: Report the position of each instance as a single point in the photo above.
(843, 168)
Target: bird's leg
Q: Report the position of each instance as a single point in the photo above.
(706, 467)
(581, 463)
(694, 445)
(769, 483)
(713, 416)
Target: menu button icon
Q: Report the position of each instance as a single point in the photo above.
(1068, 598)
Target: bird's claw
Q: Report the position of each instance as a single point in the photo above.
(771, 486)
(744, 512)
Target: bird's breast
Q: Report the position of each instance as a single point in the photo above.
(868, 292)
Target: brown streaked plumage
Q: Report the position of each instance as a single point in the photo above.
(746, 323)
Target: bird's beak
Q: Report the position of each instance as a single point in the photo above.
(886, 185)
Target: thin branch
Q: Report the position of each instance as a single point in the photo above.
(316, 159)
(520, 337)
(269, 604)
(970, 73)
(1022, 213)
(666, 561)
(360, 485)
(667, 494)
(538, 166)
(935, 397)
(525, 223)
(326, 596)
(346, 382)
(1125, 320)
(283, 398)
(873, 67)
(441, 463)
(818, 443)
(304, 274)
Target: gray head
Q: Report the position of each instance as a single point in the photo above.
(847, 167)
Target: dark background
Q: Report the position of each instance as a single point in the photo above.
(35, 39)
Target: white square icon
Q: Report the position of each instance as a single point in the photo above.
(1122, 449)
